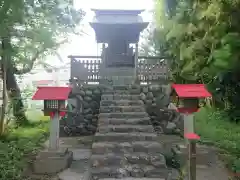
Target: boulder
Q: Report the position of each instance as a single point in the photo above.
(142, 96)
(150, 95)
(145, 89)
(88, 93)
(87, 98)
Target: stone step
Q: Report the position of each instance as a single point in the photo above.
(122, 87)
(111, 159)
(127, 115)
(130, 178)
(125, 137)
(108, 109)
(121, 103)
(110, 97)
(134, 170)
(149, 147)
(126, 128)
(122, 92)
(119, 121)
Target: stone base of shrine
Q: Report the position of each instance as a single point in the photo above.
(50, 162)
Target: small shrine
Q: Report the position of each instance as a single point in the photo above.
(188, 96)
(116, 30)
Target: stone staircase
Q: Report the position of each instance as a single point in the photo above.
(126, 145)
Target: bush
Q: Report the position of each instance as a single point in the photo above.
(215, 128)
(16, 147)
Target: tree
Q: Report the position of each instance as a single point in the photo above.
(148, 46)
(31, 30)
(203, 40)
(200, 36)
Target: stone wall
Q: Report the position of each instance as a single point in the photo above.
(164, 116)
(85, 101)
(83, 110)
(167, 122)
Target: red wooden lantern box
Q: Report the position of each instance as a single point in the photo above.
(54, 98)
(190, 94)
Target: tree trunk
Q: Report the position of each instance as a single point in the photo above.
(3, 106)
(15, 96)
(3, 77)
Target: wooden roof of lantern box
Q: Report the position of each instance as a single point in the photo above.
(54, 99)
(51, 93)
(190, 94)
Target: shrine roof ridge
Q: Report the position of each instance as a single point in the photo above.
(118, 11)
(140, 24)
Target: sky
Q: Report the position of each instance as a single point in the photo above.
(85, 44)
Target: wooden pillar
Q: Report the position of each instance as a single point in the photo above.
(191, 138)
(192, 160)
(54, 132)
(188, 123)
(102, 67)
(136, 62)
(54, 119)
(103, 53)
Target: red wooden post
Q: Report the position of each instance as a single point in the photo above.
(54, 104)
(190, 94)
(192, 155)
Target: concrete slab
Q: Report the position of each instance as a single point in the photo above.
(80, 154)
(79, 170)
(52, 163)
(68, 174)
(80, 166)
(211, 173)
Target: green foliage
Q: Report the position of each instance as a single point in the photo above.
(37, 29)
(236, 166)
(215, 129)
(201, 37)
(17, 146)
(31, 30)
(226, 92)
(150, 45)
(202, 40)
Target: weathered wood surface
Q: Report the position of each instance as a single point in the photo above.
(92, 69)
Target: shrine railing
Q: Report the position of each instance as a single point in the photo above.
(149, 69)
(152, 69)
(85, 68)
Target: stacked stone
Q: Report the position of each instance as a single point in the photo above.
(84, 105)
(157, 99)
(125, 144)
